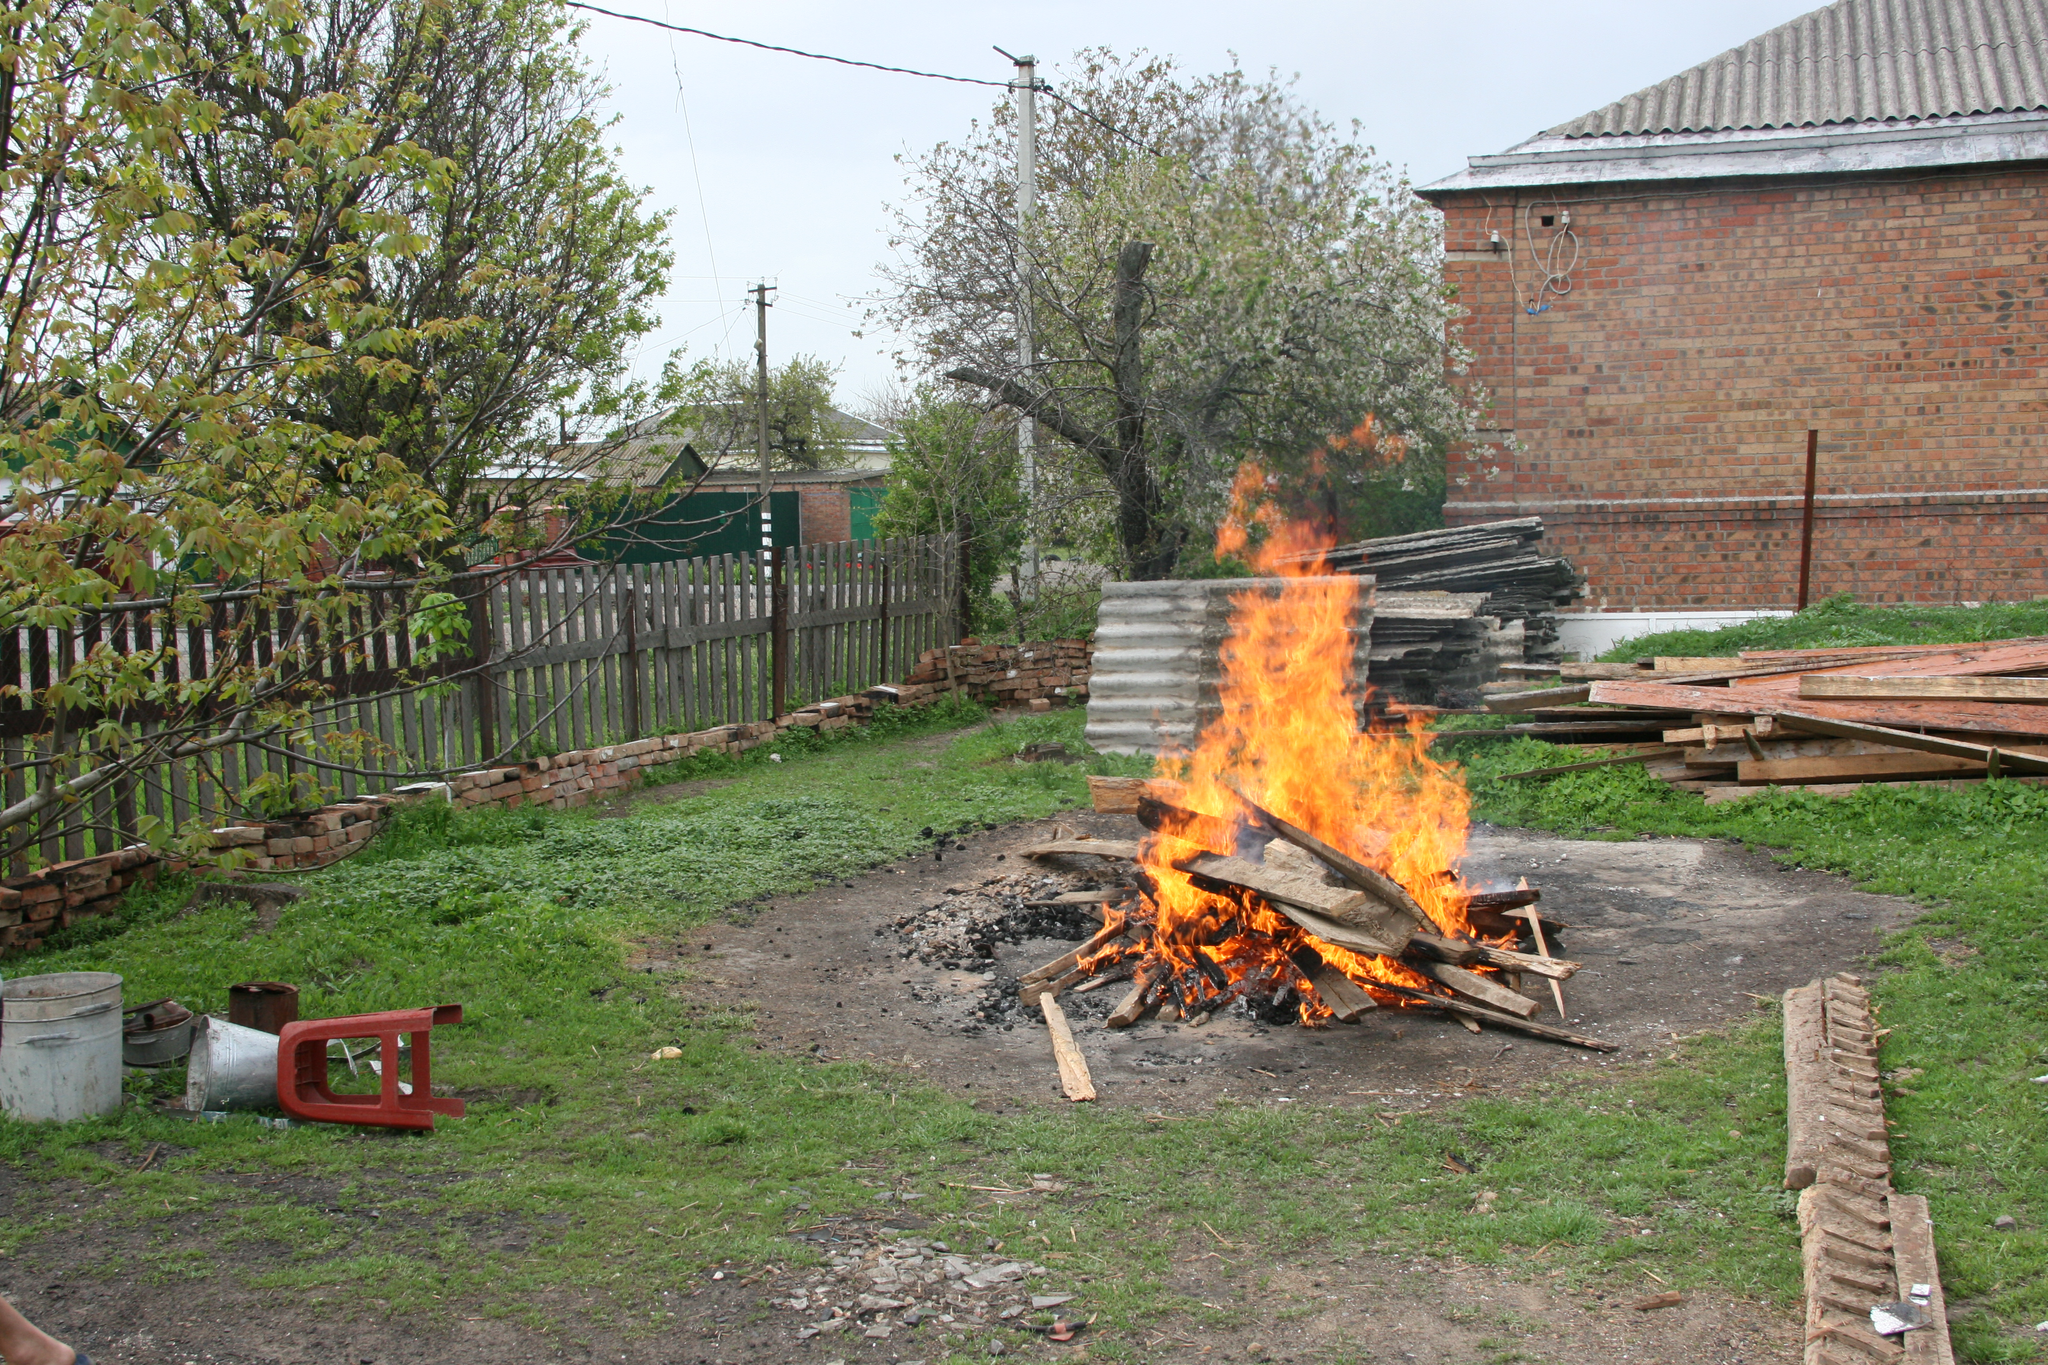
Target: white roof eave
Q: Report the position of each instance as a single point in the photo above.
(1974, 140)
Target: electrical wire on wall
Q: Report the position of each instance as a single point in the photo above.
(1554, 262)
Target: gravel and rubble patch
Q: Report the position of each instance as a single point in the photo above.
(876, 1289)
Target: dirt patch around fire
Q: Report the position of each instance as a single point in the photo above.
(1677, 936)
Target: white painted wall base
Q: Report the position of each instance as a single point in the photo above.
(1583, 634)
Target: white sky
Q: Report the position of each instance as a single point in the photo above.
(780, 167)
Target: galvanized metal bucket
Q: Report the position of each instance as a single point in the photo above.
(60, 1046)
(231, 1067)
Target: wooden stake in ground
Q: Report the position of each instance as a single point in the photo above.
(1074, 1077)
(1543, 950)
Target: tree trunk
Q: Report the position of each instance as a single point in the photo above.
(1150, 543)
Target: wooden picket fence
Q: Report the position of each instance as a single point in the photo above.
(558, 659)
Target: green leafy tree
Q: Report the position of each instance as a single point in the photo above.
(170, 370)
(716, 406)
(532, 266)
(1213, 274)
(953, 471)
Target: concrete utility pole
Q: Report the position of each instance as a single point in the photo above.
(1026, 86)
(761, 307)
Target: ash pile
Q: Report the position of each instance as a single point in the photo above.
(962, 929)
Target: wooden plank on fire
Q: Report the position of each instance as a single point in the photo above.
(1212, 832)
(1074, 1077)
(1487, 1016)
(1060, 966)
(1107, 848)
(1358, 940)
(1133, 1005)
(1345, 998)
(1484, 955)
(1031, 992)
(1371, 879)
(1477, 986)
(1119, 795)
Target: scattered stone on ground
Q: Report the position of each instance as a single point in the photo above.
(875, 1289)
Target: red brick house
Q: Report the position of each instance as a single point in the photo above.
(1841, 224)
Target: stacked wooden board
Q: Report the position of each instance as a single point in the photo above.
(1828, 721)
(1500, 559)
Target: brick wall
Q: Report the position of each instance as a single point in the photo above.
(32, 906)
(824, 514)
(1663, 402)
(1047, 671)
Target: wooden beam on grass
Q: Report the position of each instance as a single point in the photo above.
(1906, 739)
(1661, 751)
(1529, 701)
(1843, 687)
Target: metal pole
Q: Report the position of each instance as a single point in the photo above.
(1806, 526)
(1026, 86)
(761, 305)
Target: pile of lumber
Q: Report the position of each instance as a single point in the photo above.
(1827, 721)
(1439, 648)
(1500, 559)
(1286, 902)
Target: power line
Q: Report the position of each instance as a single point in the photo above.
(792, 51)
(1043, 86)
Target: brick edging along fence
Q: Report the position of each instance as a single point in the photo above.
(62, 894)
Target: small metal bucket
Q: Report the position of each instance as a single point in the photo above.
(231, 1067)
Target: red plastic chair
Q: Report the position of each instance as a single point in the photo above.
(302, 1069)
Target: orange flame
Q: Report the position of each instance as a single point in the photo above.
(1290, 737)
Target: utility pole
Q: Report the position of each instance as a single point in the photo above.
(761, 306)
(1026, 86)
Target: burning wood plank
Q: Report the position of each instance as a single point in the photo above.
(1066, 1053)
(1328, 912)
(1462, 954)
(1370, 879)
(1342, 996)
(1060, 966)
(1133, 1005)
(1477, 986)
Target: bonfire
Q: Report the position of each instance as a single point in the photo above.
(1302, 856)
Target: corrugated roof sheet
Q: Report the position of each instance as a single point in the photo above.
(1855, 61)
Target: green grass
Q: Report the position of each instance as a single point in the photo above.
(1965, 994)
(624, 1178)
(1841, 622)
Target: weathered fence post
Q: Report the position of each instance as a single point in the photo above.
(629, 605)
(480, 652)
(882, 673)
(778, 635)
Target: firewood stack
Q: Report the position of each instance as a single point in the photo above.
(1309, 931)
(1825, 721)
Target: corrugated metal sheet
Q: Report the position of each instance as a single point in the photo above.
(1855, 61)
(1152, 680)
